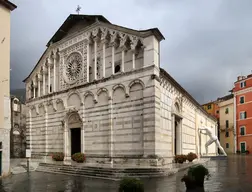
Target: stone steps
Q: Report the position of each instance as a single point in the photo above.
(103, 172)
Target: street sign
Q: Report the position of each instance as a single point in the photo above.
(28, 153)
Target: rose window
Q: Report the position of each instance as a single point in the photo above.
(73, 67)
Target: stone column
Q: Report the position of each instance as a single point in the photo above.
(122, 67)
(34, 92)
(66, 144)
(44, 74)
(133, 60)
(173, 134)
(82, 140)
(104, 59)
(49, 77)
(123, 39)
(133, 45)
(88, 61)
(54, 72)
(95, 58)
(111, 147)
(39, 85)
(46, 131)
(113, 59)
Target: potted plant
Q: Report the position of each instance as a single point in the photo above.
(195, 177)
(247, 152)
(131, 184)
(179, 159)
(58, 156)
(191, 156)
(79, 157)
(238, 152)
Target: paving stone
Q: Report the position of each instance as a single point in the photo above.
(230, 175)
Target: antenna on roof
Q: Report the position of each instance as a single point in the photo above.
(78, 9)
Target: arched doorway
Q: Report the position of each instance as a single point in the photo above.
(177, 129)
(73, 134)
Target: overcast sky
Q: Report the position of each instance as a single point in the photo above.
(208, 43)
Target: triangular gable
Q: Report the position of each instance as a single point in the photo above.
(90, 20)
(71, 21)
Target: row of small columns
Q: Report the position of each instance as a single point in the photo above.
(105, 38)
(46, 71)
(116, 41)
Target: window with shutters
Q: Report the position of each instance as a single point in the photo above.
(227, 134)
(243, 84)
(242, 100)
(227, 124)
(226, 111)
(242, 130)
(227, 145)
(243, 115)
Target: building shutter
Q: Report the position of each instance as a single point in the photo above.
(245, 115)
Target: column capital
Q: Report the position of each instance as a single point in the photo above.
(133, 42)
(35, 83)
(44, 70)
(96, 39)
(39, 77)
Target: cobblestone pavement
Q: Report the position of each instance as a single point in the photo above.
(232, 175)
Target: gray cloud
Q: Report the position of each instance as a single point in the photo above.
(207, 42)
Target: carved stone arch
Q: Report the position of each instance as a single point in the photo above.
(136, 81)
(121, 86)
(72, 117)
(60, 105)
(33, 111)
(42, 109)
(136, 88)
(50, 106)
(89, 93)
(103, 96)
(177, 106)
(119, 93)
(101, 90)
(74, 99)
(89, 99)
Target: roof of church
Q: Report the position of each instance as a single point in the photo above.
(183, 91)
(72, 19)
(9, 5)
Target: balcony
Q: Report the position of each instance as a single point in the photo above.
(223, 128)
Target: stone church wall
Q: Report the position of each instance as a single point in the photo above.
(189, 138)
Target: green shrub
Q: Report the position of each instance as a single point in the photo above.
(198, 173)
(79, 157)
(58, 156)
(131, 185)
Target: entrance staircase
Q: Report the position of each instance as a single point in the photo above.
(104, 172)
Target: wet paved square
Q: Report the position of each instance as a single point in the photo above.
(231, 175)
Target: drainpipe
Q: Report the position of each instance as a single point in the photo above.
(235, 132)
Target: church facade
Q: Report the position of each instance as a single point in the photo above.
(99, 89)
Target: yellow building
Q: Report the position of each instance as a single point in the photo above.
(212, 108)
(5, 9)
(226, 120)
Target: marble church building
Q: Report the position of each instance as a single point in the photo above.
(98, 89)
